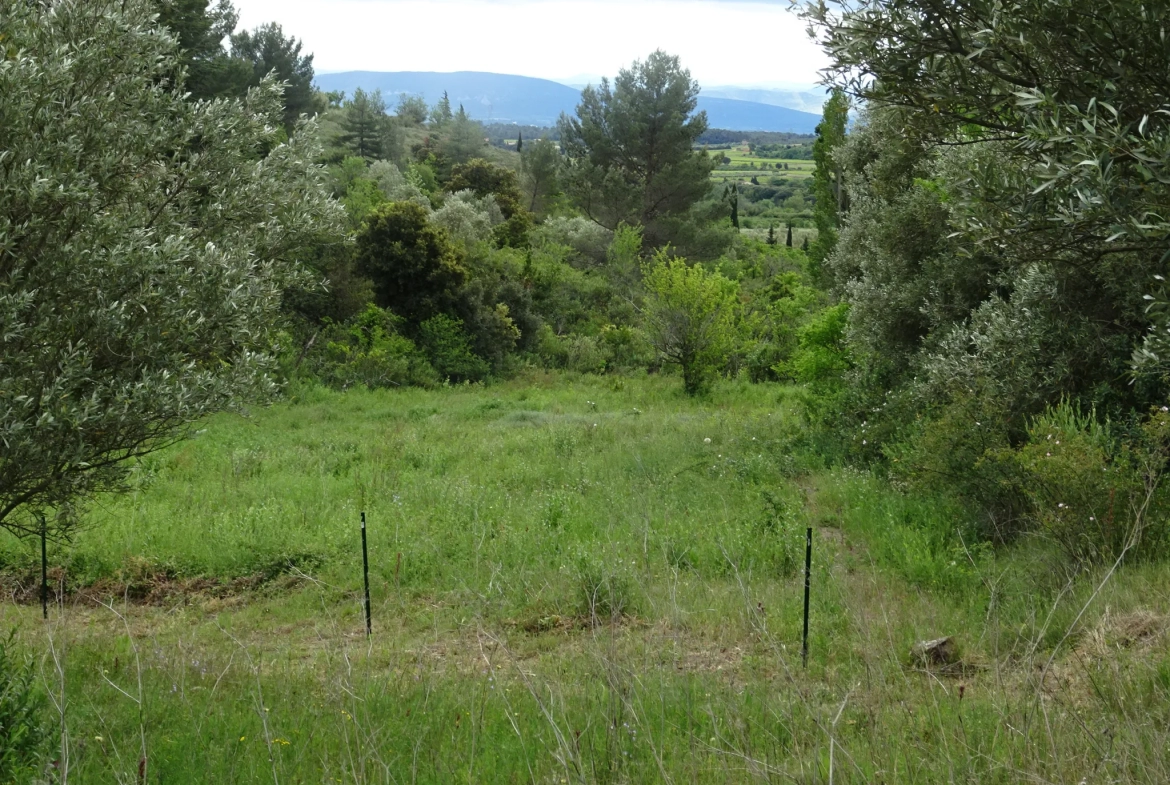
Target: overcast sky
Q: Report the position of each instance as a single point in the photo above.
(722, 43)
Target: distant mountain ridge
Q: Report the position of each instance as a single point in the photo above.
(811, 100)
(525, 100)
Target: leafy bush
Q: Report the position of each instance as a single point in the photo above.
(963, 450)
(626, 347)
(449, 349)
(485, 179)
(764, 358)
(415, 270)
(23, 736)
(589, 241)
(514, 232)
(1094, 490)
(369, 351)
(821, 357)
(551, 348)
(585, 354)
(692, 318)
(395, 186)
(467, 218)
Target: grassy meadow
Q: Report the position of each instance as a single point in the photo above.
(574, 579)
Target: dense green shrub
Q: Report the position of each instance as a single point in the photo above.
(1096, 490)
(692, 317)
(625, 347)
(449, 349)
(587, 240)
(962, 450)
(368, 351)
(822, 356)
(550, 348)
(585, 354)
(415, 270)
(487, 179)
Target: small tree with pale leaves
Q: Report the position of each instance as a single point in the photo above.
(145, 241)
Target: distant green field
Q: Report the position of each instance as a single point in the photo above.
(746, 174)
(744, 166)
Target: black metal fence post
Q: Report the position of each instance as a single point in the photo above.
(44, 570)
(366, 576)
(807, 573)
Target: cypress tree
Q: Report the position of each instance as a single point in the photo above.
(831, 200)
(732, 194)
(519, 141)
(788, 242)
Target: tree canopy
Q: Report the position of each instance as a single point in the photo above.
(269, 51)
(416, 271)
(145, 241)
(630, 148)
(1005, 247)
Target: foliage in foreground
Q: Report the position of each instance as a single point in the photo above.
(1001, 248)
(23, 733)
(145, 241)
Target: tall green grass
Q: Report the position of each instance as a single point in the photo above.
(599, 583)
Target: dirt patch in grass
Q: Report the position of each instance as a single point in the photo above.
(156, 588)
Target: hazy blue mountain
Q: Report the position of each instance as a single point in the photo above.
(505, 98)
(808, 100)
(751, 116)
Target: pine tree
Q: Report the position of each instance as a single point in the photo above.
(540, 169)
(363, 124)
(201, 27)
(266, 49)
(630, 150)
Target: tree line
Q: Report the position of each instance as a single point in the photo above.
(998, 242)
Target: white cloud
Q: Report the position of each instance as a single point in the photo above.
(724, 43)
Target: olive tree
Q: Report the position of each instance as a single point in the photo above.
(145, 241)
(1071, 103)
